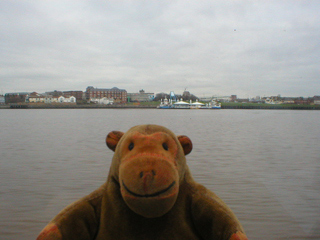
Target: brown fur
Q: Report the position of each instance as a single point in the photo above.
(149, 194)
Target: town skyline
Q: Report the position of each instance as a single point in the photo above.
(62, 91)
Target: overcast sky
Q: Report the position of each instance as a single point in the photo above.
(215, 47)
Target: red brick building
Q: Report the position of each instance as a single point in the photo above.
(18, 97)
(77, 94)
(119, 95)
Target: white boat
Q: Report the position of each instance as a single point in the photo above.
(165, 104)
(168, 104)
(181, 105)
(196, 105)
(212, 105)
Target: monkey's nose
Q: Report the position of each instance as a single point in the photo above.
(151, 173)
(147, 179)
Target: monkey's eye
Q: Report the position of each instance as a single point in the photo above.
(165, 146)
(131, 146)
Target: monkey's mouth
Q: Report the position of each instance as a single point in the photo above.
(149, 195)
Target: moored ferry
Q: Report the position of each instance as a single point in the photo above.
(169, 104)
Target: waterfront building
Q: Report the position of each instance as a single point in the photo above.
(35, 99)
(316, 100)
(70, 99)
(18, 97)
(104, 101)
(77, 94)
(119, 95)
(50, 99)
(142, 96)
(38, 98)
(2, 100)
(217, 98)
(205, 98)
(54, 93)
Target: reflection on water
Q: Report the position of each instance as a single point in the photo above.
(263, 164)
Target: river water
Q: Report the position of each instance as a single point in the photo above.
(265, 164)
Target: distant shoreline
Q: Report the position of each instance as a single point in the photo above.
(153, 106)
(73, 106)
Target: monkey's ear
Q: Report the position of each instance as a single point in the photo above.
(113, 138)
(186, 144)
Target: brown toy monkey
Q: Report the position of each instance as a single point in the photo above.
(149, 194)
